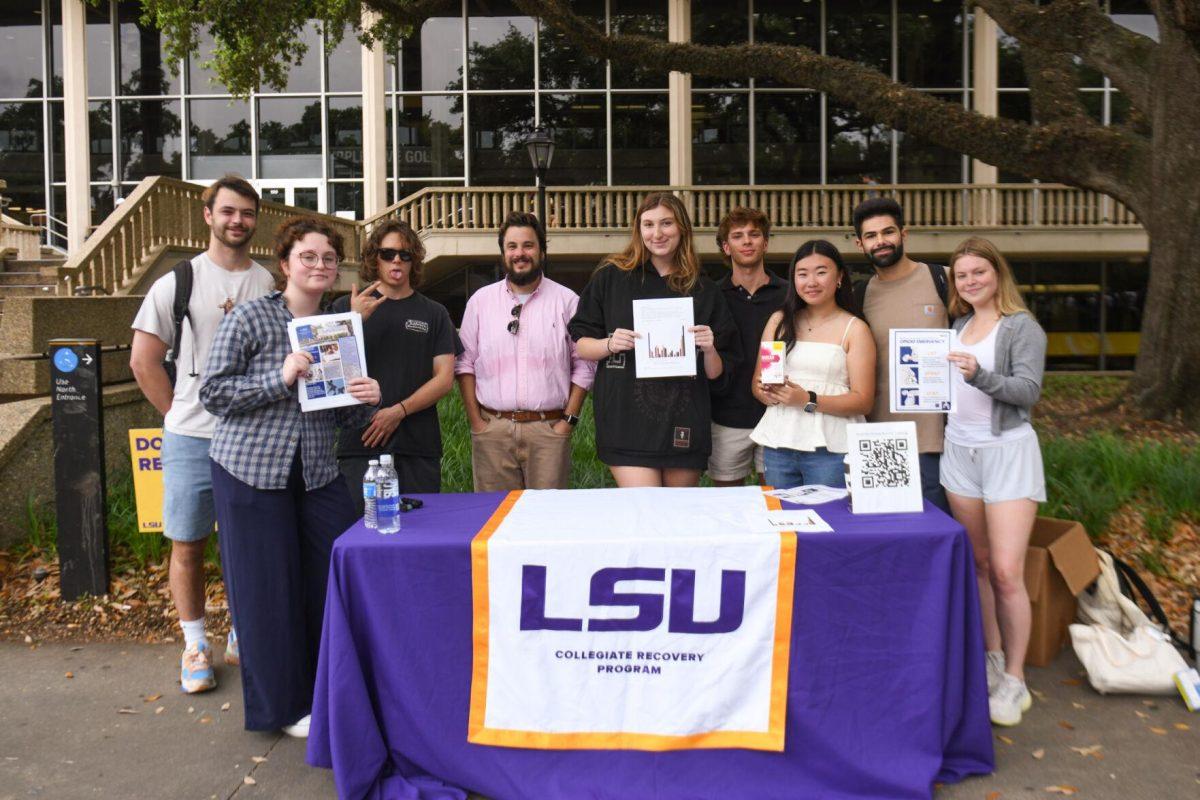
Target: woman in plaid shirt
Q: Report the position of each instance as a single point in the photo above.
(279, 496)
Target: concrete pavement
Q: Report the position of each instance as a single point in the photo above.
(100, 733)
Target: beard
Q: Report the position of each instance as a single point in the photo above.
(229, 239)
(522, 278)
(888, 259)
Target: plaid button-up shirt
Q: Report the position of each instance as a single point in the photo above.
(259, 422)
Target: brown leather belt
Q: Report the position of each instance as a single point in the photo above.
(524, 416)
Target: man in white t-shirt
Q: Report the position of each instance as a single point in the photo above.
(222, 277)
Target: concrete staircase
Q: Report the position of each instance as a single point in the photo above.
(29, 276)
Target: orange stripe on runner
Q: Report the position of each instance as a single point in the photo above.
(479, 600)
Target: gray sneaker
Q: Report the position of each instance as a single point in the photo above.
(995, 670)
(1009, 700)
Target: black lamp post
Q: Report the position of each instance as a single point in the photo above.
(541, 149)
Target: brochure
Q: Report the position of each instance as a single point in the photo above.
(811, 495)
(920, 370)
(335, 342)
(771, 357)
(665, 348)
(797, 520)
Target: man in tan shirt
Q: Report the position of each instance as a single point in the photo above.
(902, 294)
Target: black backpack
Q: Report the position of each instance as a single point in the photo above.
(936, 271)
(179, 311)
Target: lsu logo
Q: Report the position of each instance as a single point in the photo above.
(603, 594)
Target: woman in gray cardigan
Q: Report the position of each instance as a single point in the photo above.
(992, 465)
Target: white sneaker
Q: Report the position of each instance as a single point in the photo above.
(1010, 699)
(299, 728)
(995, 670)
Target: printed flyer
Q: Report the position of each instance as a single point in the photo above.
(665, 348)
(920, 370)
(335, 342)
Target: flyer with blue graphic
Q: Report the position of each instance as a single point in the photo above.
(335, 342)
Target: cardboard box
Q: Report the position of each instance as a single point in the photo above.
(1060, 564)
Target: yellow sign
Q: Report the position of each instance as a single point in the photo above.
(145, 448)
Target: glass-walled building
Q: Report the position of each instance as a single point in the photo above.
(462, 93)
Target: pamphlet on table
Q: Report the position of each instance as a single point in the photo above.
(885, 471)
(335, 342)
(920, 370)
(796, 520)
(810, 495)
(665, 348)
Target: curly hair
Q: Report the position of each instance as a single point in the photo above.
(368, 271)
(293, 230)
(686, 267)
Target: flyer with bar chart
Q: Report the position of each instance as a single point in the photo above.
(665, 347)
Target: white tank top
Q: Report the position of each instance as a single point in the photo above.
(971, 424)
(819, 367)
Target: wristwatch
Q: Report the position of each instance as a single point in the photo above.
(571, 419)
(811, 405)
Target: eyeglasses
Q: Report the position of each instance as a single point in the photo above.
(514, 324)
(312, 260)
(391, 254)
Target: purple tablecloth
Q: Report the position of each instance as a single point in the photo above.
(886, 692)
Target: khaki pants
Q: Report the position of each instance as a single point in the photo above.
(509, 455)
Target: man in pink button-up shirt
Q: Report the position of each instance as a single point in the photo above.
(522, 382)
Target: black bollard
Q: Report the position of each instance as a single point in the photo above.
(79, 491)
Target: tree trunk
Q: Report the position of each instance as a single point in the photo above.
(1167, 380)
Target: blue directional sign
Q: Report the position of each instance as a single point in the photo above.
(65, 359)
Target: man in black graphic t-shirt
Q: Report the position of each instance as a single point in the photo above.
(411, 345)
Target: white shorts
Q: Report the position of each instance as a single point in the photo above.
(734, 456)
(996, 473)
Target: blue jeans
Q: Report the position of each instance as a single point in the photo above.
(931, 485)
(786, 468)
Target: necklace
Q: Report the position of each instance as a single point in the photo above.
(822, 323)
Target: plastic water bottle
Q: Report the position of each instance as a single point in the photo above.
(387, 497)
(369, 490)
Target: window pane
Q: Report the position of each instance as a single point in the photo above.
(1119, 107)
(289, 137)
(720, 24)
(787, 130)
(58, 169)
(930, 34)
(201, 79)
(560, 63)
(499, 127)
(347, 198)
(640, 140)
(720, 138)
(1125, 300)
(1134, 15)
(306, 76)
(860, 30)
(1067, 301)
(577, 123)
(1012, 70)
(220, 138)
(22, 150)
(143, 70)
(345, 137)
(99, 51)
(344, 65)
(56, 60)
(645, 18)
(431, 135)
(859, 151)
(922, 162)
(150, 140)
(1093, 102)
(21, 42)
(100, 132)
(102, 203)
(501, 46)
(431, 61)
(1014, 105)
(789, 24)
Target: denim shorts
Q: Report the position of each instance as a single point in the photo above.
(188, 514)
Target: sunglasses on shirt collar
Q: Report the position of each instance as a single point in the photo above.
(391, 253)
(514, 324)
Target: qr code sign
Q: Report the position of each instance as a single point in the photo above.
(884, 464)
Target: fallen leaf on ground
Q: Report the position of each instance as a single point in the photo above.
(152, 698)
(1064, 724)
(1039, 754)
(993, 796)
(191, 709)
(160, 710)
(127, 711)
(258, 759)
(1004, 739)
(1142, 714)
(225, 706)
(1094, 750)
(1067, 790)
(249, 781)
(205, 720)
(1159, 731)
(28, 639)
(1079, 706)
(1183, 726)
(70, 674)
(1071, 682)
(1149, 704)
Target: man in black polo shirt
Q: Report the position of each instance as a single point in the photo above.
(411, 345)
(753, 294)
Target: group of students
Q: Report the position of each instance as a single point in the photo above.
(282, 485)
